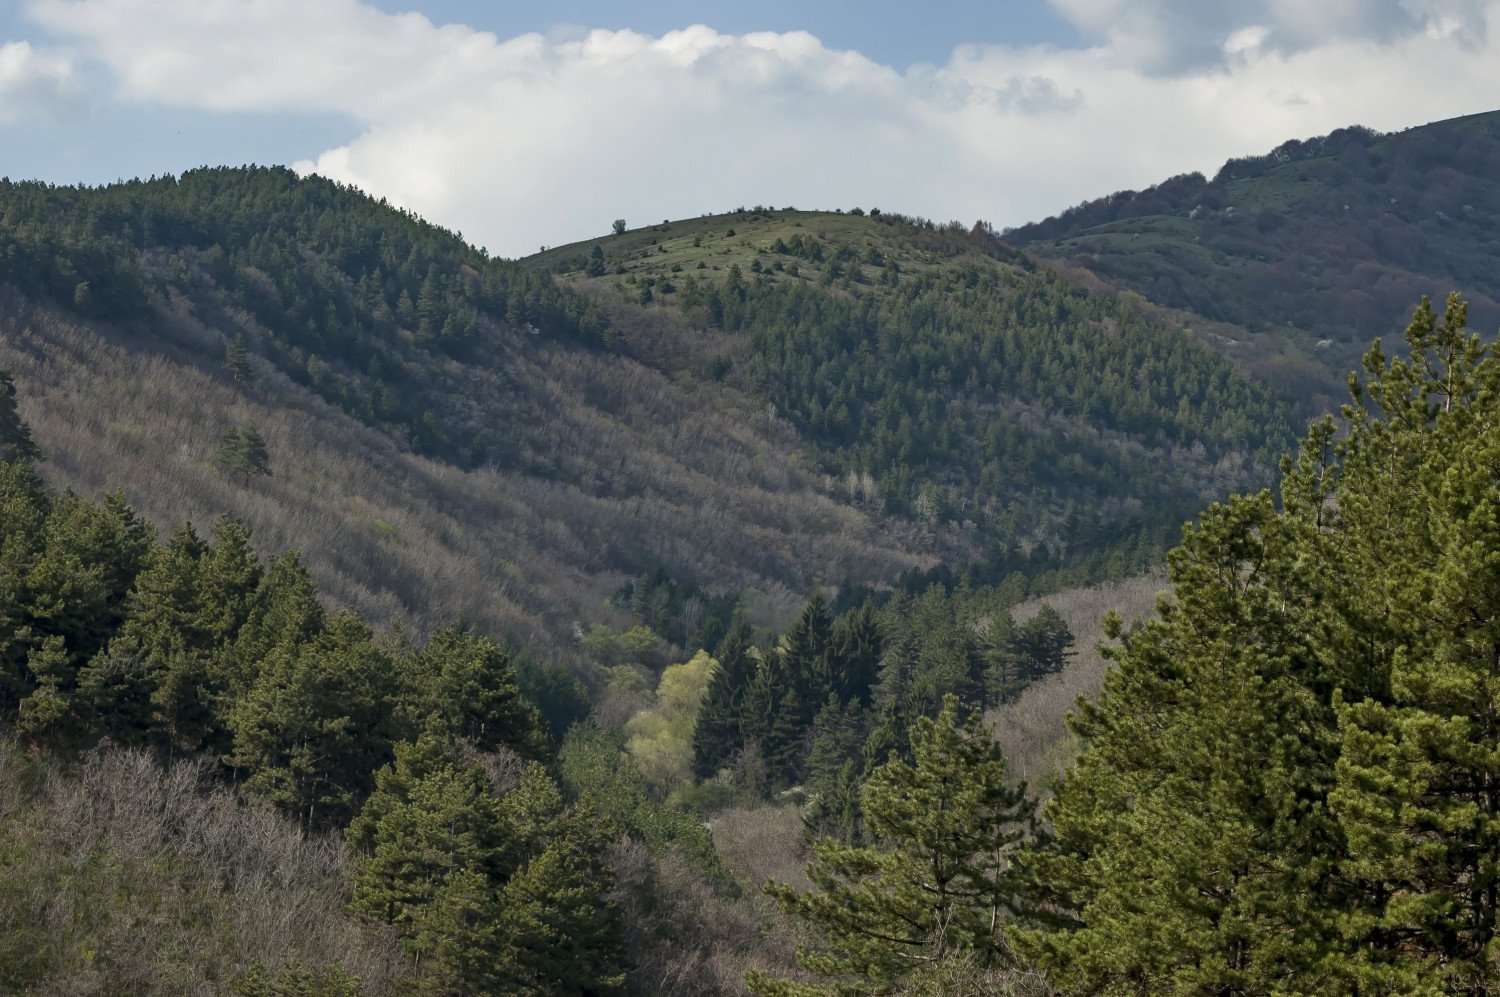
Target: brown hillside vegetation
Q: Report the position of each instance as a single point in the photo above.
(115, 872)
(1033, 728)
(660, 471)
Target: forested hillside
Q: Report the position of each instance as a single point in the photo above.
(945, 378)
(1309, 248)
(481, 456)
(693, 610)
(823, 399)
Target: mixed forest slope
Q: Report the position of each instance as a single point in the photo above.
(823, 399)
(651, 424)
(446, 436)
(1308, 250)
(944, 377)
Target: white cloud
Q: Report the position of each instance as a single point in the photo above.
(537, 140)
(35, 82)
(1172, 36)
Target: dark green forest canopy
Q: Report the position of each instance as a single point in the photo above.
(1290, 780)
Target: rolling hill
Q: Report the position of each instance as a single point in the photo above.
(821, 399)
(944, 376)
(514, 475)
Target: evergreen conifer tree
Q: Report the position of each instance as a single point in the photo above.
(718, 733)
(242, 453)
(429, 818)
(1289, 779)
(237, 359)
(466, 680)
(936, 877)
(317, 722)
(15, 436)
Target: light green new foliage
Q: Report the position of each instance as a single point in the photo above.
(935, 881)
(661, 737)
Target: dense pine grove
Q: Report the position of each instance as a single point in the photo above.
(934, 389)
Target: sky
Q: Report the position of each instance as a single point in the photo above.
(523, 124)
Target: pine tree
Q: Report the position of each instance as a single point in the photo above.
(242, 452)
(317, 722)
(237, 359)
(467, 681)
(856, 648)
(1005, 670)
(1418, 779)
(805, 649)
(936, 878)
(595, 266)
(559, 928)
(834, 763)
(1192, 848)
(283, 613)
(1290, 780)
(15, 436)
(1043, 644)
(782, 731)
(428, 818)
(48, 714)
(460, 938)
(159, 654)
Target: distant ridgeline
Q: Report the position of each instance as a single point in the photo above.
(1325, 242)
(357, 297)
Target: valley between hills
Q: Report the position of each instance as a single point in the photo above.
(504, 625)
